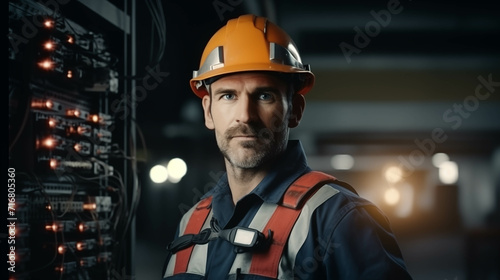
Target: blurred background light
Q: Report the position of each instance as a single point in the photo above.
(392, 196)
(158, 174)
(407, 197)
(448, 172)
(342, 162)
(439, 158)
(393, 174)
(176, 169)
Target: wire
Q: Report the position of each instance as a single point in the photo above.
(121, 197)
(158, 19)
(143, 141)
(159, 31)
(136, 191)
(41, 189)
(70, 199)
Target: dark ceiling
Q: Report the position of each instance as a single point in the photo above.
(411, 35)
(382, 67)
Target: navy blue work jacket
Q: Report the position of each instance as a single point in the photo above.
(347, 238)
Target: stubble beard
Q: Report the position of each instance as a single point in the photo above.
(253, 154)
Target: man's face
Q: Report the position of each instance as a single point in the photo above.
(250, 115)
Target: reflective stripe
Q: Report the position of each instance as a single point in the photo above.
(182, 227)
(198, 260)
(281, 55)
(301, 229)
(259, 221)
(214, 60)
(283, 220)
(281, 223)
(192, 223)
(196, 222)
(298, 192)
(197, 264)
(297, 238)
(170, 266)
(185, 220)
(288, 221)
(277, 54)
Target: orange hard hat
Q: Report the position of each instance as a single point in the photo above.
(250, 43)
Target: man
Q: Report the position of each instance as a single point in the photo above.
(270, 217)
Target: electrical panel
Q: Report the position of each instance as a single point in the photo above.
(67, 200)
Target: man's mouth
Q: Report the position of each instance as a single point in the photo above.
(250, 136)
(243, 133)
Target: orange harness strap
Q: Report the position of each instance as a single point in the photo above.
(281, 224)
(283, 219)
(194, 226)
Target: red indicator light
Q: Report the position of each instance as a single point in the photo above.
(53, 163)
(61, 249)
(94, 118)
(73, 113)
(48, 23)
(49, 45)
(80, 130)
(49, 142)
(81, 246)
(46, 64)
(77, 147)
(52, 122)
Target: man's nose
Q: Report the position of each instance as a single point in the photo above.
(247, 109)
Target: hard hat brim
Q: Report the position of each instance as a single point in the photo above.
(199, 89)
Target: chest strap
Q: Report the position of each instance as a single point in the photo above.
(193, 226)
(281, 224)
(283, 219)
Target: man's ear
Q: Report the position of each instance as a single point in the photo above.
(205, 102)
(298, 105)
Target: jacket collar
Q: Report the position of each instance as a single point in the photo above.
(287, 169)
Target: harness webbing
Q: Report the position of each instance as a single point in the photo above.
(300, 190)
(281, 224)
(283, 219)
(194, 226)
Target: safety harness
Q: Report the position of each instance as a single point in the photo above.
(275, 234)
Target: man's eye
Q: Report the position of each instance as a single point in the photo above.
(265, 96)
(228, 96)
